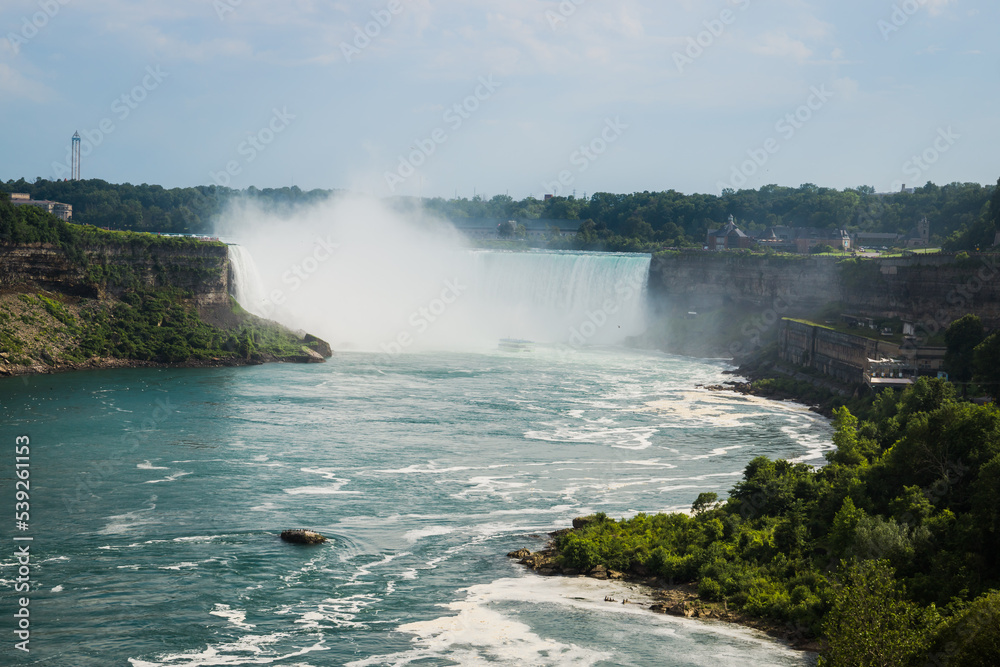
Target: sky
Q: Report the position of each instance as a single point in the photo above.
(521, 97)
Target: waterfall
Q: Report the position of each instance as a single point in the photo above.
(449, 298)
(560, 297)
(244, 281)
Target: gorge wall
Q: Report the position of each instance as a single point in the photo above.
(93, 271)
(725, 302)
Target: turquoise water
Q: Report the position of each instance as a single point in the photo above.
(158, 495)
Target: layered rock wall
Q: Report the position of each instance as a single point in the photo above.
(929, 290)
(202, 269)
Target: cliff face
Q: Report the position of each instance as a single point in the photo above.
(738, 297)
(707, 281)
(200, 268)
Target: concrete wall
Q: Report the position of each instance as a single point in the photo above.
(839, 355)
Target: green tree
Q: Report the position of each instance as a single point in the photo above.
(986, 369)
(972, 637)
(962, 337)
(704, 502)
(871, 623)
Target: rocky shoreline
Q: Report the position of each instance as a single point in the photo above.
(107, 363)
(680, 600)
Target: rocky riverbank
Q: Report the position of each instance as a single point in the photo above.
(666, 597)
(8, 369)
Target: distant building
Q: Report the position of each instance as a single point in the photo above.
(918, 237)
(903, 190)
(803, 239)
(728, 238)
(58, 209)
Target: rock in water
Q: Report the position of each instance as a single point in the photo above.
(319, 345)
(300, 536)
(520, 553)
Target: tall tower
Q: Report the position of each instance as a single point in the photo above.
(76, 157)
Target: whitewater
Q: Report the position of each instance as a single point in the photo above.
(422, 450)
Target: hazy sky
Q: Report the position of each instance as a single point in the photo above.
(449, 96)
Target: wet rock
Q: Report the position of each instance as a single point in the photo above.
(319, 345)
(301, 536)
(520, 553)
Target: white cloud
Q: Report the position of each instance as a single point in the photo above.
(13, 85)
(779, 44)
(936, 7)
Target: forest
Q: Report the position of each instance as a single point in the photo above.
(958, 212)
(890, 552)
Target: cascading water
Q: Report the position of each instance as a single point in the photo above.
(245, 284)
(558, 297)
(462, 300)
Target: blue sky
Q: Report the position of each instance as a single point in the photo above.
(445, 97)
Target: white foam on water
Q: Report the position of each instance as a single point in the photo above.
(325, 473)
(334, 613)
(249, 650)
(146, 465)
(179, 566)
(431, 469)
(334, 490)
(365, 570)
(266, 507)
(119, 524)
(719, 451)
(635, 438)
(431, 531)
(169, 478)
(490, 486)
(558, 509)
(235, 617)
(200, 538)
(480, 633)
(57, 589)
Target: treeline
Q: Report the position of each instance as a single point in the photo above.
(891, 552)
(152, 208)
(959, 213)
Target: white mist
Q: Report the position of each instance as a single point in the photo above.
(364, 276)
